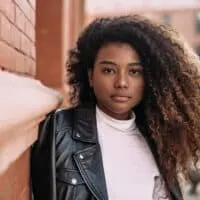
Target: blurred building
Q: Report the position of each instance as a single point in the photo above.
(184, 16)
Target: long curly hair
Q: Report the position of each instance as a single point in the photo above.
(169, 113)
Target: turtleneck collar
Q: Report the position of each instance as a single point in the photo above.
(121, 125)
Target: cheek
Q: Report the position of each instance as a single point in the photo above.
(138, 87)
(100, 87)
(100, 83)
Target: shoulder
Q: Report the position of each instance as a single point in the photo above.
(65, 118)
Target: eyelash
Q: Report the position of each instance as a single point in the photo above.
(136, 71)
(108, 70)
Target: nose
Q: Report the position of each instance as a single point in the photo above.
(121, 81)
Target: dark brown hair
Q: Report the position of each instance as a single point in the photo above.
(170, 111)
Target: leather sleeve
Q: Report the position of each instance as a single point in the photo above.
(43, 178)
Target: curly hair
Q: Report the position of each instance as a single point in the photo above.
(169, 113)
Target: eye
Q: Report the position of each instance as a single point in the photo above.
(136, 72)
(108, 70)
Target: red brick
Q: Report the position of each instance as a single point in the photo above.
(22, 4)
(32, 3)
(25, 7)
(11, 10)
(7, 56)
(6, 30)
(32, 15)
(29, 66)
(20, 66)
(16, 39)
(31, 49)
(30, 30)
(26, 66)
(8, 9)
(32, 67)
(25, 44)
(33, 52)
(20, 19)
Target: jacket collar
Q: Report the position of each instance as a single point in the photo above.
(89, 159)
(85, 128)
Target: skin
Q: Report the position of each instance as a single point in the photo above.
(117, 80)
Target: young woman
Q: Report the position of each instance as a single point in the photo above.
(135, 126)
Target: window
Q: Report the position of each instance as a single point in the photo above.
(198, 22)
(166, 19)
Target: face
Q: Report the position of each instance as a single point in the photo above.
(117, 79)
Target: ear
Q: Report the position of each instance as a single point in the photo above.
(90, 77)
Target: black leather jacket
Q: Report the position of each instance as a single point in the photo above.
(66, 161)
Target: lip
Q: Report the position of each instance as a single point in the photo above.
(120, 98)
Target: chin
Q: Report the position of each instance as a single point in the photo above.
(119, 110)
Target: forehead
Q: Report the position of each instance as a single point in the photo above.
(117, 51)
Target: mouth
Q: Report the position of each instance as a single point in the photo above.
(120, 98)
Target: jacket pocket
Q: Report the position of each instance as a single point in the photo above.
(71, 177)
(71, 186)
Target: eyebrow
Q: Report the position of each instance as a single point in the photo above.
(106, 62)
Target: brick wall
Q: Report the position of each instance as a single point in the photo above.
(14, 184)
(17, 47)
(17, 36)
(25, 101)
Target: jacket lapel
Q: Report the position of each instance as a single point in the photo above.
(89, 159)
(89, 162)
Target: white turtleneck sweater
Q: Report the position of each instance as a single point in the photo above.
(130, 169)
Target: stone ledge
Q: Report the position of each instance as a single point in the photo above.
(24, 103)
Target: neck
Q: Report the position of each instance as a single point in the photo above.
(118, 116)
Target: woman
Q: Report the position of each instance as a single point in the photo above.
(136, 126)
